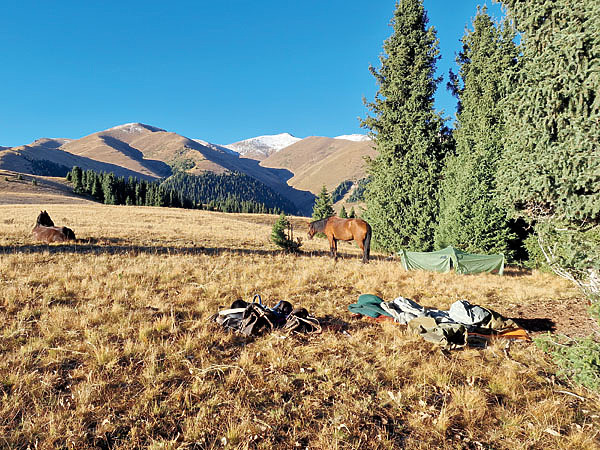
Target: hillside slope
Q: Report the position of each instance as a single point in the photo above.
(94, 152)
(148, 152)
(317, 161)
(262, 147)
(19, 189)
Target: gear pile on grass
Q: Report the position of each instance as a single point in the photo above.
(256, 319)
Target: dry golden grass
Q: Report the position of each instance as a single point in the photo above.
(106, 344)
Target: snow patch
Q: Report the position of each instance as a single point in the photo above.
(265, 145)
(354, 137)
(216, 147)
(135, 127)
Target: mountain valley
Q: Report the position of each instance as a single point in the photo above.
(294, 168)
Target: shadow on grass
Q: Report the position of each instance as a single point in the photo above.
(113, 246)
(535, 325)
(512, 271)
(118, 247)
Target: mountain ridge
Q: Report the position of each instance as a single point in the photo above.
(261, 147)
(151, 153)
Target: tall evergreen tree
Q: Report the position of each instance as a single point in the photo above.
(343, 213)
(323, 206)
(550, 171)
(76, 179)
(401, 199)
(140, 193)
(552, 159)
(470, 217)
(109, 189)
(96, 189)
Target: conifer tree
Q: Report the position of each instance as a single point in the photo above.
(281, 234)
(551, 161)
(323, 206)
(96, 189)
(140, 193)
(550, 171)
(84, 180)
(470, 217)
(343, 213)
(109, 189)
(401, 198)
(352, 214)
(76, 179)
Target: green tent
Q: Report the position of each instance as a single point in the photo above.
(450, 257)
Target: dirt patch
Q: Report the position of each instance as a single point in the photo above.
(569, 317)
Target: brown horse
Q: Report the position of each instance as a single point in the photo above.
(345, 230)
(45, 230)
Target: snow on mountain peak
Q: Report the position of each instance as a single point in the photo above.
(216, 147)
(265, 145)
(135, 127)
(354, 137)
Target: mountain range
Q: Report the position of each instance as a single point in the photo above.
(293, 167)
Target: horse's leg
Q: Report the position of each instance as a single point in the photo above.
(367, 245)
(335, 249)
(361, 246)
(331, 241)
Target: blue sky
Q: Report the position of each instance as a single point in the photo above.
(221, 71)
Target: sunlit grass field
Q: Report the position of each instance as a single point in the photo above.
(106, 343)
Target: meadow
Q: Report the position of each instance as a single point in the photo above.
(106, 343)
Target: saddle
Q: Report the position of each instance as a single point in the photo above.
(256, 319)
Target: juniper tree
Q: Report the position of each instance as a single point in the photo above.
(323, 206)
(401, 199)
(470, 217)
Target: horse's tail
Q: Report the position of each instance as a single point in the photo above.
(367, 244)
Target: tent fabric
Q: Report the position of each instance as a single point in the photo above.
(443, 260)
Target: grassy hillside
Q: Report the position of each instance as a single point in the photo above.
(106, 344)
(18, 188)
(317, 161)
(35, 158)
(148, 152)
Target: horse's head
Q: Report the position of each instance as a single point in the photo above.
(311, 230)
(44, 219)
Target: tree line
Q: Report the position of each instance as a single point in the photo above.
(232, 189)
(212, 192)
(112, 190)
